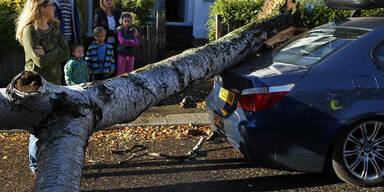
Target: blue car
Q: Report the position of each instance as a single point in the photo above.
(315, 102)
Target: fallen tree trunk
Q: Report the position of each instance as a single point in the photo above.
(63, 118)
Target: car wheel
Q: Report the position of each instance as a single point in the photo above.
(358, 155)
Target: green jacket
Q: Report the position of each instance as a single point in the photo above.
(76, 71)
(56, 51)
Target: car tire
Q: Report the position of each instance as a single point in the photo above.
(358, 154)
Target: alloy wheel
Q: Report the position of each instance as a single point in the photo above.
(363, 151)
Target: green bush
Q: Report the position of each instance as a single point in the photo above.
(315, 13)
(9, 10)
(142, 10)
(233, 11)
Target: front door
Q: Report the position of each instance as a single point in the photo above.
(175, 10)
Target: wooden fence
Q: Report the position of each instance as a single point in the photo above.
(151, 48)
(223, 29)
(146, 51)
(151, 42)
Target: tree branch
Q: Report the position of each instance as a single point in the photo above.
(61, 154)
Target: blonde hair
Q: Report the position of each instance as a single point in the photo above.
(31, 13)
(102, 6)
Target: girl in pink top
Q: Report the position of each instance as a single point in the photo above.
(126, 50)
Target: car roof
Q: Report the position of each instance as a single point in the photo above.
(368, 23)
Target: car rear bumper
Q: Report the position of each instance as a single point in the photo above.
(259, 143)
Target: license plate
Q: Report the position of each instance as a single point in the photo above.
(227, 96)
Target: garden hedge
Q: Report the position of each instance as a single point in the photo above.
(314, 13)
(142, 10)
(9, 10)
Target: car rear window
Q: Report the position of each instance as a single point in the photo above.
(316, 44)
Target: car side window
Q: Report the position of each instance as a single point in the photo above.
(378, 55)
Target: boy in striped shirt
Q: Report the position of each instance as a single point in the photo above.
(100, 58)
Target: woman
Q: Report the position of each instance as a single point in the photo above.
(38, 32)
(45, 48)
(108, 17)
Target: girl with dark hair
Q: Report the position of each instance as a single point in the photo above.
(127, 36)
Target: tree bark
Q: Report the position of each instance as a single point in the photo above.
(63, 118)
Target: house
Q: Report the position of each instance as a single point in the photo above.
(186, 20)
(193, 13)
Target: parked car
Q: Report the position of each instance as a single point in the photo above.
(315, 102)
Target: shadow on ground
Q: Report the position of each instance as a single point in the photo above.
(268, 183)
(218, 167)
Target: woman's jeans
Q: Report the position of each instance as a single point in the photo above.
(33, 144)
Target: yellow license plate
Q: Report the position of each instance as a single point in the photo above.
(227, 96)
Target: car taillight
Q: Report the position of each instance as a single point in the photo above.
(257, 99)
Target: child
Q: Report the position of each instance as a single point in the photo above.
(76, 70)
(127, 36)
(100, 58)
